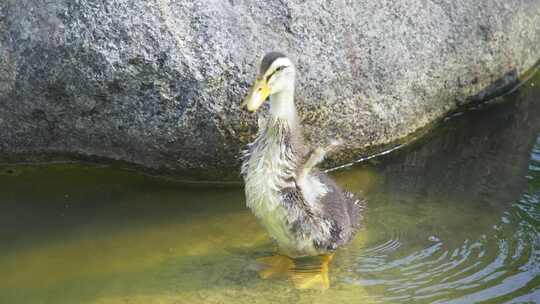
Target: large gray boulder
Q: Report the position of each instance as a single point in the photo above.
(158, 83)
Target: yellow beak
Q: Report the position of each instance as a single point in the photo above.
(257, 95)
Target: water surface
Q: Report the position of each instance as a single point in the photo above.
(453, 218)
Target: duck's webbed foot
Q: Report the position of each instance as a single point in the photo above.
(311, 272)
(305, 273)
(316, 156)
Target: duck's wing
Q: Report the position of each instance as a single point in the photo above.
(343, 207)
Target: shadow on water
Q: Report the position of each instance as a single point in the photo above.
(478, 161)
(453, 218)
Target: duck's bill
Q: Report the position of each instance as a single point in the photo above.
(257, 95)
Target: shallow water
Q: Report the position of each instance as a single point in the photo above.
(453, 218)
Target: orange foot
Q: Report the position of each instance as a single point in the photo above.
(305, 273)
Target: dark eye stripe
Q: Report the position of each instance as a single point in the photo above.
(276, 70)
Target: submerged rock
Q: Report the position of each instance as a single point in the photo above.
(158, 83)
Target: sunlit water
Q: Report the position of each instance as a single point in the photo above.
(454, 218)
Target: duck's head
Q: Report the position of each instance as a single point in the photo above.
(276, 76)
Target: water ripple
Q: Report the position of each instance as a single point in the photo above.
(497, 264)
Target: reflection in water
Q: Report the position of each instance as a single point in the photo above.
(454, 218)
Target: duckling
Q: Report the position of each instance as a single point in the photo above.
(300, 207)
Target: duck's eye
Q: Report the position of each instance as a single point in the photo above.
(275, 71)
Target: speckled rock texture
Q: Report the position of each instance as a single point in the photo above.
(158, 84)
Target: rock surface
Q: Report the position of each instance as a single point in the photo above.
(158, 83)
